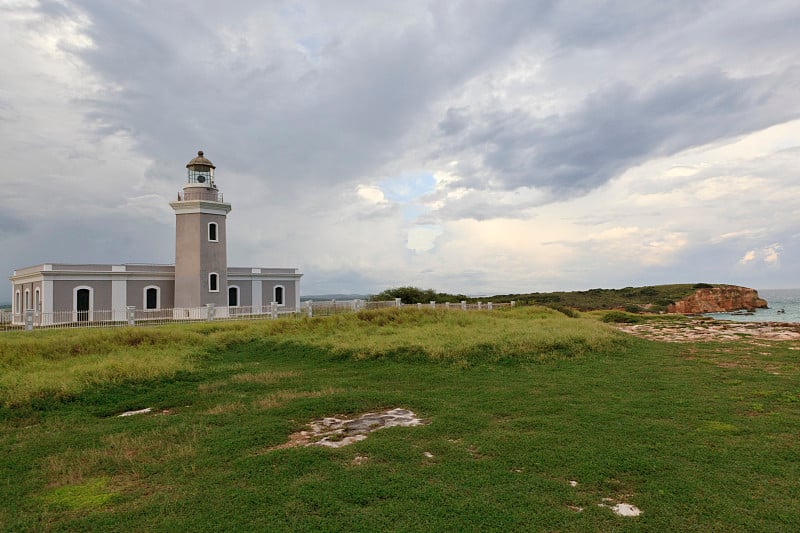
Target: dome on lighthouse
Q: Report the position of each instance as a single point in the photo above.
(200, 161)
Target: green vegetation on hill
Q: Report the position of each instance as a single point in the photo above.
(534, 420)
(415, 295)
(654, 298)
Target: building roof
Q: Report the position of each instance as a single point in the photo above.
(200, 160)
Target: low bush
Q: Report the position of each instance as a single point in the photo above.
(621, 317)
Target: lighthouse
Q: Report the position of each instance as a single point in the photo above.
(200, 285)
(201, 260)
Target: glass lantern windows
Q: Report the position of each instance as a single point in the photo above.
(202, 177)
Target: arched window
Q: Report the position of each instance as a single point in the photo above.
(213, 232)
(27, 299)
(83, 303)
(278, 295)
(17, 303)
(152, 297)
(37, 300)
(213, 282)
(233, 296)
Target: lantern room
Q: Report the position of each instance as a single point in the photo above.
(201, 171)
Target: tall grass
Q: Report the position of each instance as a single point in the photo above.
(528, 334)
(59, 364)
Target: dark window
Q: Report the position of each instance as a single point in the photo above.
(279, 295)
(233, 296)
(151, 297)
(82, 304)
(212, 231)
(213, 282)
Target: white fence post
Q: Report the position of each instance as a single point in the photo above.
(273, 309)
(398, 302)
(209, 312)
(29, 319)
(310, 309)
(130, 312)
(479, 306)
(447, 305)
(419, 305)
(489, 306)
(433, 304)
(513, 303)
(463, 305)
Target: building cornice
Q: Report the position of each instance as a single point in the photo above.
(266, 277)
(187, 207)
(168, 274)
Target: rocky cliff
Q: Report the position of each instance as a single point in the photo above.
(721, 299)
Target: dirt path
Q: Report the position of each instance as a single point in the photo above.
(705, 330)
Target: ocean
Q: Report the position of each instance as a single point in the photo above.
(786, 299)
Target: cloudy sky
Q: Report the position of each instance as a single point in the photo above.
(468, 146)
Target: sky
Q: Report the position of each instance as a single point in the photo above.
(478, 147)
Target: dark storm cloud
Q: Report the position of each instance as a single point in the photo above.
(619, 127)
(335, 110)
(334, 96)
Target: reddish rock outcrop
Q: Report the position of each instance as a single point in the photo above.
(722, 299)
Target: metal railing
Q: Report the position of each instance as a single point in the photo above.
(6, 320)
(204, 195)
(131, 316)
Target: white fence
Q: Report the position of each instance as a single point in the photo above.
(5, 319)
(131, 316)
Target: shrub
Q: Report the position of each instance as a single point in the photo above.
(415, 295)
(568, 311)
(621, 317)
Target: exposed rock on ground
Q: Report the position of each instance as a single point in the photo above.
(713, 330)
(137, 412)
(721, 299)
(337, 432)
(623, 509)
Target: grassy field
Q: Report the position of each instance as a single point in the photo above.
(520, 403)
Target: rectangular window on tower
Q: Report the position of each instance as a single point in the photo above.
(212, 232)
(213, 282)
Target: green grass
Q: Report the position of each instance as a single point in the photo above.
(654, 298)
(699, 436)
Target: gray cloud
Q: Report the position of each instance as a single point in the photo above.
(299, 102)
(335, 115)
(620, 127)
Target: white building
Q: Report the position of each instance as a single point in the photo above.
(199, 279)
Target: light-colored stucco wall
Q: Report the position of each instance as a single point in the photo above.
(196, 257)
(289, 291)
(245, 291)
(31, 287)
(135, 291)
(63, 291)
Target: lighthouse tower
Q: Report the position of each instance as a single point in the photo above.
(201, 261)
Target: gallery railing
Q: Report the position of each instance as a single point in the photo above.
(204, 195)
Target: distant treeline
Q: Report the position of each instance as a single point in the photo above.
(414, 295)
(653, 298)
